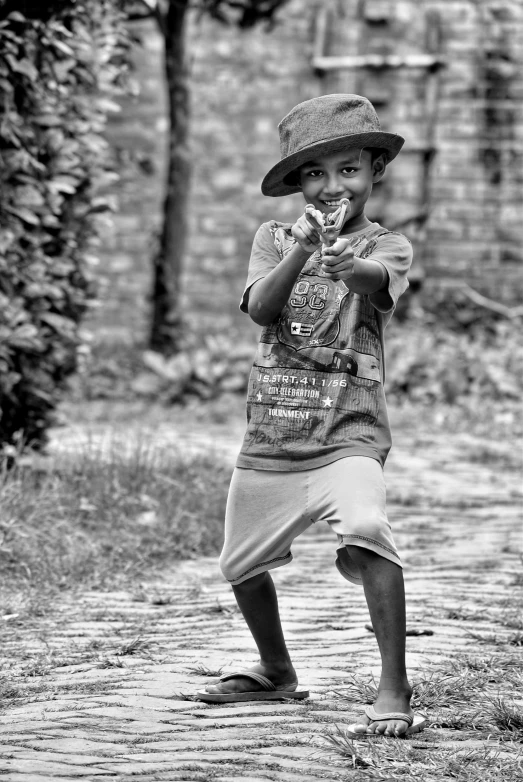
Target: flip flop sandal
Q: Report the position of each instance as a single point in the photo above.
(269, 693)
(416, 724)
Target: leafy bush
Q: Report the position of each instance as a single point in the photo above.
(427, 362)
(58, 78)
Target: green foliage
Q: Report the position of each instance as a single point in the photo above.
(428, 362)
(58, 80)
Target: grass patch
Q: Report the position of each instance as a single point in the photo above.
(407, 760)
(443, 689)
(438, 689)
(359, 691)
(506, 716)
(203, 670)
(107, 516)
(495, 669)
(339, 742)
(513, 639)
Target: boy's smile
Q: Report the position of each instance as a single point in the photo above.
(347, 174)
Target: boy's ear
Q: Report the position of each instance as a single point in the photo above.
(378, 168)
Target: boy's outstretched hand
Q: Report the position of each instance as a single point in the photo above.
(308, 229)
(339, 262)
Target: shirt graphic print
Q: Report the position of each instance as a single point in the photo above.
(316, 383)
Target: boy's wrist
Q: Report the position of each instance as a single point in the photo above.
(299, 253)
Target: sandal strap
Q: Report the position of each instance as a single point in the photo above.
(256, 677)
(373, 715)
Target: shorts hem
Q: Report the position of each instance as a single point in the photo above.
(263, 567)
(367, 543)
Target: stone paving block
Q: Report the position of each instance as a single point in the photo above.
(286, 776)
(179, 758)
(49, 769)
(208, 723)
(301, 752)
(264, 756)
(13, 776)
(29, 726)
(154, 704)
(137, 728)
(130, 713)
(67, 758)
(72, 745)
(234, 709)
(154, 767)
(195, 741)
(23, 713)
(243, 778)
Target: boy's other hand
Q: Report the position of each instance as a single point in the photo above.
(307, 230)
(339, 262)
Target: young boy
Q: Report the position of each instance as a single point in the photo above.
(318, 433)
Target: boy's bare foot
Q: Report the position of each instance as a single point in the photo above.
(280, 676)
(388, 700)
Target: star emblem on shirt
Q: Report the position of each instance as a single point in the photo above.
(327, 402)
(295, 328)
(259, 396)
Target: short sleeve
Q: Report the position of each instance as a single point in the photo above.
(264, 258)
(394, 252)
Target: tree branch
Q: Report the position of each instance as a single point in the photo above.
(490, 304)
(156, 11)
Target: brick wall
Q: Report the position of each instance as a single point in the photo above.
(469, 112)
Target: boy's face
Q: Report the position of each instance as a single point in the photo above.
(347, 174)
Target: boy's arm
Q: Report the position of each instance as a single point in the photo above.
(267, 297)
(360, 275)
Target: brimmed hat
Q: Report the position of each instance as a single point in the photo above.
(320, 126)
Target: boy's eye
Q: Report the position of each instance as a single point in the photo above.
(314, 172)
(349, 170)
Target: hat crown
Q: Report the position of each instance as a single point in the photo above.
(324, 118)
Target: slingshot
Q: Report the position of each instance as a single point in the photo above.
(331, 224)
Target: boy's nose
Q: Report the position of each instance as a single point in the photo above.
(333, 186)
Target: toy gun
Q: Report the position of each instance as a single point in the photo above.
(331, 224)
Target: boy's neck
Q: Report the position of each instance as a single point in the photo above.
(354, 224)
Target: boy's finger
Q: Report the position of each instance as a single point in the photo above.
(311, 233)
(314, 223)
(339, 247)
(330, 260)
(315, 217)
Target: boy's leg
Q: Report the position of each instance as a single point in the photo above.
(258, 602)
(385, 594)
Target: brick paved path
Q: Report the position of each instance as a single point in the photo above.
(118, 710)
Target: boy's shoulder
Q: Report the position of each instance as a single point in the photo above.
(377, 236)
(277, 225)
(277, 233)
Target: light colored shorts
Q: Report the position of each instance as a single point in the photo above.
(267, 509)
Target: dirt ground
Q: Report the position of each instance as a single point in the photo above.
(122, 709)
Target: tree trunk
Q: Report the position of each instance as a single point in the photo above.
(166, 316)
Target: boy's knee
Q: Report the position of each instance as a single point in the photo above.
(232, 569)
(251, 584)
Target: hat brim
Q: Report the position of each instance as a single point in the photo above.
(274, 184)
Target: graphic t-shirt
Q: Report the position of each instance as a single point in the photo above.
(316, 388)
